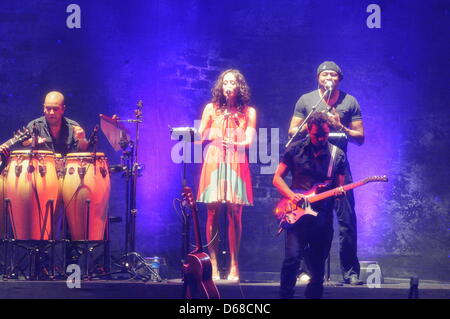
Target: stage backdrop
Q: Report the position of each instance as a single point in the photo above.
(106, 55)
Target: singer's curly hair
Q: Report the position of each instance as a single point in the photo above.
(318, 118)
(243, 96)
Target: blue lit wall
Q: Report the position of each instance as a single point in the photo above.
(168, 53)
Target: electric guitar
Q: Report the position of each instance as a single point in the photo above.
(288, 212)
(197, 269)
(19, 137)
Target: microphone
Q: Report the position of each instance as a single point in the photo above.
(329, 85)
(34, 136)
(93, 138)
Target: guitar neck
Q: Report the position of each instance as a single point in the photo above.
(198, 237)
(10, 142)
(332, 192)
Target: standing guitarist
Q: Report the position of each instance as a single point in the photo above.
(310, 161)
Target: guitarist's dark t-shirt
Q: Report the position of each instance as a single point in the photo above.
(308, 170)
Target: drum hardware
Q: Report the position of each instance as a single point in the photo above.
(42, 170)
(82, 172)
(103, 171)
(38, 256)
(18, 170)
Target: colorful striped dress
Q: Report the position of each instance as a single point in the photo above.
(225, 175)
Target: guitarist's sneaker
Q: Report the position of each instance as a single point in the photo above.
(353, 280)
(304, 278)
(233, 278)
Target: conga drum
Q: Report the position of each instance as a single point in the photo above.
(86, 186)
(2, 203)
(59, 209)
(31, 185)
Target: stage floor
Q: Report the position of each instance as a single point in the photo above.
(172, 289)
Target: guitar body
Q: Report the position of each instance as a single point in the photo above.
(288, 212)
(197, 268)
(198, 281)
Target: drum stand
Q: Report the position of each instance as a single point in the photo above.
(38, 261)
(85, 248)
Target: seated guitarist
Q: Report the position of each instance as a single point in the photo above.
(310, 237)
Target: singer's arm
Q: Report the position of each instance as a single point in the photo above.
(250, 131)
(355, 132)
(205, 123)
(293, 127)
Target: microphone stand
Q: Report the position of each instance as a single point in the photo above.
(300, 127)
(133, 261)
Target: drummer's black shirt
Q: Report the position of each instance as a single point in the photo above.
(66, 142)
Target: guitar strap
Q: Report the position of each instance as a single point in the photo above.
(332, 160)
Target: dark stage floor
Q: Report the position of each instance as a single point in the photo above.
(172, 289)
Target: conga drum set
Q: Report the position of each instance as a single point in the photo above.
(41, 192)
(53, 202)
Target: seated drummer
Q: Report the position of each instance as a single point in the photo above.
(55, 132)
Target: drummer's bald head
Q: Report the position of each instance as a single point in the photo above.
(54, 98)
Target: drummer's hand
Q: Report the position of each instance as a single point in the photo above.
(41, 140)
(115, 117)
(79, 133)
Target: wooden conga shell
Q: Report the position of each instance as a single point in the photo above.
(31, 181)
(83, 183)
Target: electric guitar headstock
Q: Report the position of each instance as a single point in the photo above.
(382, 178)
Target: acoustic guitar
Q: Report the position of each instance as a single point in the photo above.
(289, 213)
(197, 269)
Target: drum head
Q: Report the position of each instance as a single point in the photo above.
(85, 154)
(32, 152)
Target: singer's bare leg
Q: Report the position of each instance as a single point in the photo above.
(234, 213)
(212, 238)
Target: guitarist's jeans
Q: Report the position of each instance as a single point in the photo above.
(346, 216)
(312, 242)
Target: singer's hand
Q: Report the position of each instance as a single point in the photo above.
(79, 133)
(334, 118)
(227, 143)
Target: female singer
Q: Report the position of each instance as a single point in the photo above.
(229, 123)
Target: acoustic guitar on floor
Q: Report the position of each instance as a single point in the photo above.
(197, 269)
